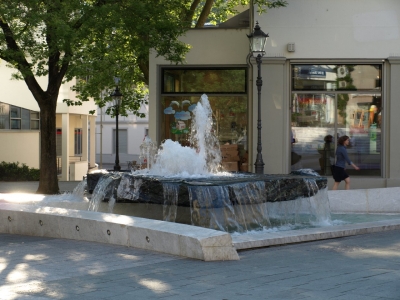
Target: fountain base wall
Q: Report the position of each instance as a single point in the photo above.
(237, 203)
(166, 237)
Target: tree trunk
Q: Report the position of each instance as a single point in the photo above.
(204, 14)
(48, 183)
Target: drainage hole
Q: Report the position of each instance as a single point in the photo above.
(77, 228)
(108, 232)
(41, 222)
(147, 239)
(9, 218)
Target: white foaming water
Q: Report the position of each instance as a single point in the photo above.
(203, 159)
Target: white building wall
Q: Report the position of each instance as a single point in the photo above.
(105, 126)
(16, 92)
(22, 147)
(327, 29)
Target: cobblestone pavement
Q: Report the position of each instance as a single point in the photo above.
(359, 267)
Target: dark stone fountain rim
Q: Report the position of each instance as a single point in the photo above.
(223, 180)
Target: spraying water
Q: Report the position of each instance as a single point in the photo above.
(175, 160)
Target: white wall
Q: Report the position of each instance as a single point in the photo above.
(22, 147)
(333, 29)
(15, 142)
(15, 92)
(135, 127)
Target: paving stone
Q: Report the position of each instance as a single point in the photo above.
(361, 267)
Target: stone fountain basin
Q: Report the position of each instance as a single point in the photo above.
(149, 189)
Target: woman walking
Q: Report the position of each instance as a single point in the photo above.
(339, 172)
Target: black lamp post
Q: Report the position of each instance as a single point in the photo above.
(258, 40)
(117, 97)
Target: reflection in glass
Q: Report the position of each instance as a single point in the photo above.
(15, 123)
(229, 118)
(229, 80)
(4, 116)
(361, 120)
(15, 112)
(25, 118)
(336, 77)
(316, 127)
(313, 129)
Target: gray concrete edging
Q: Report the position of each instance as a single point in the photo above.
(312, 234)
(166, 237)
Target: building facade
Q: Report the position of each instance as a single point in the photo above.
(20, 130)
(330, 69)
(132, 131)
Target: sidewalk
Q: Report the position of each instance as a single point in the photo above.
(32, 186)
(359, 267)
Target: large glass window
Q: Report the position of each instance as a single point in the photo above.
(229, 80)
(227, 93)
(331, 101)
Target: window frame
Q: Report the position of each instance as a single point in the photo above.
(194, 68)
(380, 92)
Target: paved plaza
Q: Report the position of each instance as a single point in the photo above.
(361, 267)
(358, 267)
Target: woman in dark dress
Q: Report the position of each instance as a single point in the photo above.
(339, 172)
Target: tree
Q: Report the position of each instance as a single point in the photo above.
(63, 40)
(99, 40)
(217, 11)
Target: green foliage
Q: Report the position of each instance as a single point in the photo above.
(221, 10)
(16, 172)
(65, 40)
(100, 40)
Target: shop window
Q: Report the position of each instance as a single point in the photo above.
(227, 93)
(331, 101)
(229, 80)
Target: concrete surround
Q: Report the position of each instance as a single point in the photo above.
(383, 200)
(166, 237)
(190, 241)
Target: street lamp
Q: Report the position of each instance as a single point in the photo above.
(117, 98)
(258, 40)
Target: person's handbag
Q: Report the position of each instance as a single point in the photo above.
(333, 169)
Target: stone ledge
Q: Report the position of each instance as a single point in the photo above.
(312, 234)
(170, 238)
(379, 200)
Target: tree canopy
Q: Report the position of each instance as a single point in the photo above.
(94, 41)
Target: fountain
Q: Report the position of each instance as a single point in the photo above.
(188, 185)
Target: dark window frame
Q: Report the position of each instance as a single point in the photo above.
(163, 69)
